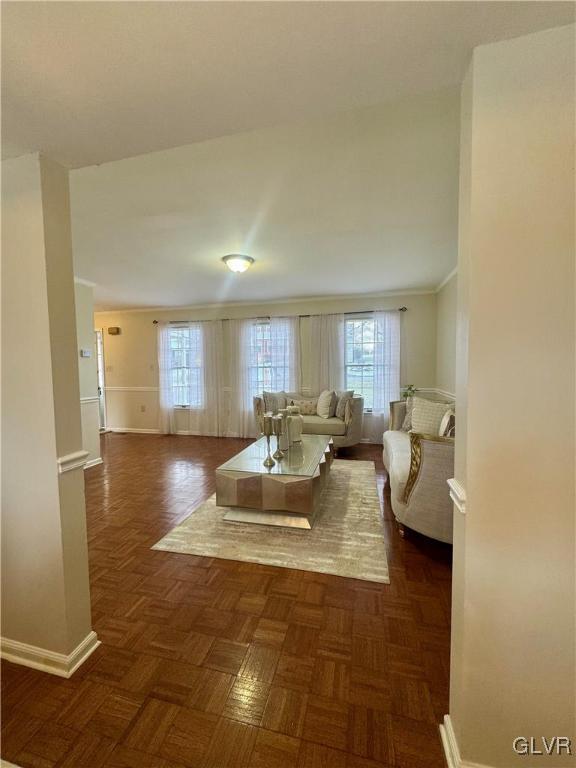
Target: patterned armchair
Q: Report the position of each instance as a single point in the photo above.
(419, 467)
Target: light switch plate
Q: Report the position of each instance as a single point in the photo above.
(85, 353)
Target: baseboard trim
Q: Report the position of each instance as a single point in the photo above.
(134, 431)
(451, 748)
(53, 663)
(93, 463)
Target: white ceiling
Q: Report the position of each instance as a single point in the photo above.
(354, 191)
(89, 82)
(364, 201)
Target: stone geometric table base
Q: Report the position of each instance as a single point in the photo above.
(273, 499)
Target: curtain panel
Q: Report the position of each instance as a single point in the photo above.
(264, 355)
(190, 373)
(386, 371)
(327, 352)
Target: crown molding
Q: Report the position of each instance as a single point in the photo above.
(267, 302)
(447, 279)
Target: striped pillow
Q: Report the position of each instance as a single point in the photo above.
(427, 415)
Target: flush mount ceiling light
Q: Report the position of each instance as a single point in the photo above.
(236, 262)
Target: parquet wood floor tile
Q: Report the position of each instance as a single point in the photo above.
(274, 750)
(209, 663)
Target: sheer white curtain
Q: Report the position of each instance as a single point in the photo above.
(167, 421)
(284, 354)
(326, 352)
(241, 421)
(190, 367)
(264, 355)
(204, 418)
(386, 370)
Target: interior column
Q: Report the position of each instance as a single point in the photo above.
(46, 620)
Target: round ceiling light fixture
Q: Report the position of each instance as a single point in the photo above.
(236, 262)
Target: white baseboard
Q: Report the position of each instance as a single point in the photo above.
(134, 431)
(93, 463)
(48, 661)
(451, 749)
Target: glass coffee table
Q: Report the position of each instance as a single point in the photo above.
(287, 494)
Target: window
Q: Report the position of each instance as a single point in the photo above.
(187, 366)
(359, 357)
(270, 353)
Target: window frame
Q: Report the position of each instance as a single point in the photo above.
(361, 316)
(259, 380)
(200, 404)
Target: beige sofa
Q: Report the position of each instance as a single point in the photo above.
(344, 432)
(419, 467)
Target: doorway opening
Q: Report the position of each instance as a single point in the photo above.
(101, 381)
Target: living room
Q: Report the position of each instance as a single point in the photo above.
(274, 329)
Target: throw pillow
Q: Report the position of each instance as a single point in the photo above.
(447, 424)
(273, 401)
(341, 404)
(407, 423)
(307, 405)
(427, 415)
(326, 404)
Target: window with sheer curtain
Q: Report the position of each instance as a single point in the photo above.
(187, 366)
(360, 338)
(372, 358)
(269, 356)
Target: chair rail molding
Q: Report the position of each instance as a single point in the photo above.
(93, 463)
(70, 461)
(93, 399)
(131, 389)
(60, 664)
(451, 749)
(457, 494)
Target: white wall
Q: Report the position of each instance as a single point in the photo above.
(45, 593)
(513, 636)
(446, 336)
(131, 357)
(87, 370)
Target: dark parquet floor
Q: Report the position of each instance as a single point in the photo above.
(209, 663)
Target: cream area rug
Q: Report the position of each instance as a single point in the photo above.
(346, 540)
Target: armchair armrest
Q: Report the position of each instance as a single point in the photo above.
(431, 464)
(397, 414)
(258, 406)
(354, 418)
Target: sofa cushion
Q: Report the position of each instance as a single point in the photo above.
(447, 424)
(343, 397)
(273, 401)
(307, 405)
(327, 404)
(316, 425)
(427, 415)
(396, 446)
